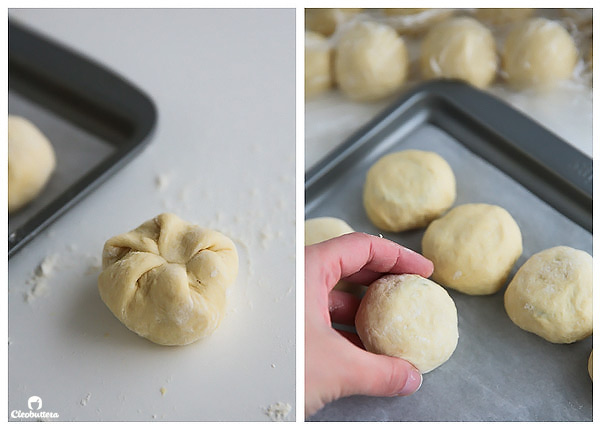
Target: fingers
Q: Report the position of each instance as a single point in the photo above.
(347, 255)
(343, 307)
(378, 375)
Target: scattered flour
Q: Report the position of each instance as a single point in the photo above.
(278, 411)
(84, 401)
(40, 276)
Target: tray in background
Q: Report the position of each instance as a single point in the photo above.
(96, 121)
(498, 371)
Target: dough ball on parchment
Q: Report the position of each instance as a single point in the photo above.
(408, 189)
(460, 48)
(473, 248)
(167, 279)
(31, 161)
(551, 295)
(320, 229)
(409, 317)
(538, 53)
(326, 20)
(317, 64)
(371, 61)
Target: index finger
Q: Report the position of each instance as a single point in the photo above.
(351, 253)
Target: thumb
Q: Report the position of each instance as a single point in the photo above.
(378, 375)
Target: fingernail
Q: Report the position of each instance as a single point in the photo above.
(413, 383)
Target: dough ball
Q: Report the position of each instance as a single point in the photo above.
(408, 189)
(31, 161)
(317, 64)
(538, 53)
(473, 248)
(459, 48)
(415, 21)
(551, 295)
(371, 61)
(326, 21)
(409, 317)
(591, 365)
(503, 16)
(321, 229)
(167, 279)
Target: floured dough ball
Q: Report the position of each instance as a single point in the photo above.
(326, 21)
(409, 317)
(408, 189)
(503, 16)
(551, 295)
(317, 64)
(591, 365)
(459, 48)
(320, 229)
(414, 21)
(371, 61)
(31, 161)
(473, 248)
(538, 53)
(167, 279)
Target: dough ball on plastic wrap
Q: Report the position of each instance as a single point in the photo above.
(371, 61)
(460, 48)
(31, 162)
(538, 53)
(167, 279)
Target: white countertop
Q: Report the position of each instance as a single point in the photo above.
(223, 153)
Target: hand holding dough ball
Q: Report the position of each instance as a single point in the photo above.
(503, 16)
(167, 279)
(459, 48)
(31, 161)
(371, 61)
(317, 64)
(551, 295)
(320, 229)
(326, 21)
(408, 189)
(538, 53)
(409, 317)
(473, 248)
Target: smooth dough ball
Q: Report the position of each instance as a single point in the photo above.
(31, 161)
(591, 365)
(459, 48)
(317, 64)
(371, 61)
(473, 248)
(326, 20)
(409, 317)
(551, 295)
(408, 189)
(538, 53)
(321, 229)
(503, 16)
(167, 279)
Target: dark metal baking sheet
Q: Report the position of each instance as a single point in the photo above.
(498, 371)
(95, 120)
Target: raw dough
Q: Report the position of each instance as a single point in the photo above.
(459, 48)
(538, 53)
(409, 317)
(371, 61)
(503, 16)
(326, 21)
(317, 64)
(473, 248)
(167, 279)
(408, 189)
(321, 229)
(551, 295)
(31, 161)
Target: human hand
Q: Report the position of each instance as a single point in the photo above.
(336, 363)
